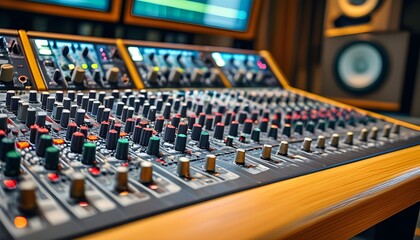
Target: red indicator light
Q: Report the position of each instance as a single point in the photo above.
(9, 184)
(94, 171)
(22, 145)
(83, 204)
(58, 141)
(53, 177)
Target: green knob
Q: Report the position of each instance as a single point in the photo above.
(89, 153)
(122, 149)
(12, 168)
(51, 158)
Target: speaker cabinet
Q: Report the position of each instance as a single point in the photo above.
(365, 70)
(344, 17)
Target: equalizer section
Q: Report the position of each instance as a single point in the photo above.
(174, 68)
(68, 64)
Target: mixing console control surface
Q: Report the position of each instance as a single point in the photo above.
(74, 162)
(66, 64)
(14, 70)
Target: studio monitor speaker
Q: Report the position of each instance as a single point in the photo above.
(343, 17)
(366, 70)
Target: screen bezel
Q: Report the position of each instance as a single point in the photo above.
(249, 33)
(112, 15)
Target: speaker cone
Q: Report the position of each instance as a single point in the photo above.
(358, 8)
(360, 66)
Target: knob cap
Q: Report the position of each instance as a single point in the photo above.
(266, 152)
(320, 142)
(306, 146)
(349, 138)
(255, 134)
(89, 153)
(386, 131)
(153, 147)
(183, 168)
(210, 163)
(52, 155)
(43, 143)
(7, 145)
(203, 143)
(77, 186)
(374, 134)
(12, 168)
(76, 144)
(27, 196)
(396, 129)
(6, 72)
(122, 149)
(146, 172)
(363, 135)
(112, 75)
(3, 122)
(335, 138)
(180, 142)
(240, 157)
(284, 148)
(78, 75)
(121, 179)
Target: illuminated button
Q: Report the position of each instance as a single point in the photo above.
(84, 66)
(94, 171)
(9, 184)
(20, 222)
(22, 145)
(58, 141)
(92, 138)
(94, 65)
(53, 177)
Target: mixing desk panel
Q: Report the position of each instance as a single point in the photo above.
(14, 70)
(74, 162)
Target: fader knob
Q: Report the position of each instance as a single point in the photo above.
(386, 131)
(12, 167)
(284, 148)
(374, 134)
(335, 138)
(146, 172)
(349, 138)
(363, 135)
(183, 168)
(6, 73)
(240, 157)
(51, 158)
(77, 186)
(121, 179)
(266, 152)
(396, 129)
(112, 75)
(78, 75)
(27, 196)
(320, 142)
(210, 163)
(306, 146)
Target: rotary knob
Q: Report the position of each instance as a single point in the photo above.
(210, 163)
(266, 152)
(121, 179)
(283, 149)
(183, 168)
(335, 140)
(306, 146)
(112, 75)
(77, 186)
(27, 196)
(6, 72)
(146, 172)
(240, 157)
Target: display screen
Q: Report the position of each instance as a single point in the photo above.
(223, 14)
(97, 5)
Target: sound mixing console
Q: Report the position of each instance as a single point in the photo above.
(73, 162)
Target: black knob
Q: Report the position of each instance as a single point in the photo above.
(137, 134)
(203, 142)
(255, 134)
(219, 130)
(169, 133)
(247, 126)
(180, 142)
(44, 142)
(7, 145)
(196, 131)
(77, 141)
(111, 139)
(233, 130)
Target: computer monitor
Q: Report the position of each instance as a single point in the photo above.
(100, 10)
(236, 18)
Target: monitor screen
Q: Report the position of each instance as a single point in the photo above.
(231, 15)
(97, 5)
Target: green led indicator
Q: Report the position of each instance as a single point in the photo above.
(94, 66)
(84, 66)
